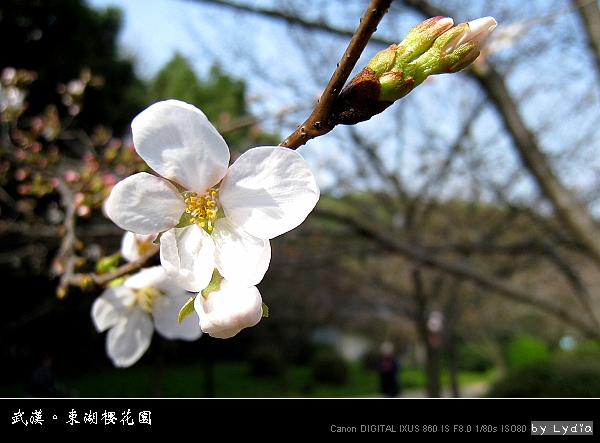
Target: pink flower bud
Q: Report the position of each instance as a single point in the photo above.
(466, 41)
(478, 32)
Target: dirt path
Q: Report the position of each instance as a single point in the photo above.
(471, 390)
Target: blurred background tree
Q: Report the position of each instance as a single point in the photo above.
(57, 39)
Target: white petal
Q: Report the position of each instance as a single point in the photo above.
(268, 191)
(188, 257)
(145, 204)
(110, 306)
(129, 247)
(134, 245)
(178, 142)
(152, 276)
(240, 257)
(225, 312)
(165, 312)
(127, 341)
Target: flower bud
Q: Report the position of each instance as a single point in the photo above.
(228, 308)
(420, 38)
(431, 47)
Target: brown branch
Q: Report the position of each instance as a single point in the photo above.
(589, 12)
(320, 121)
(271, 13)
(565, 203)
(91, 281)
(66, 259)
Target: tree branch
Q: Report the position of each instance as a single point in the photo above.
(90, 281)
(320, 121)
(590, 15)
(567, 207)
(461, 270)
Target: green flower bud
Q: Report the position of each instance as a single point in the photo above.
(431, 47)
(456, 48)
(420, 38)
(383, 60)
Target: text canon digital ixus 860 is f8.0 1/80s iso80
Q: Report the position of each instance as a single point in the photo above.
(527, 428)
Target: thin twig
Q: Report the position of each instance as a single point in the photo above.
(320, 121)
(92, 281)
(66, 259)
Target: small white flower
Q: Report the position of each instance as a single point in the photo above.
(229, 309)
(147, 301)
(11, 98)
(210, 215)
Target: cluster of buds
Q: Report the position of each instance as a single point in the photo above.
(434, 46)
(30, 159)
(73, 92)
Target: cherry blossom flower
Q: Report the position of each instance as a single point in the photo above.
(227, 310)
(131, 312)
(210, 215)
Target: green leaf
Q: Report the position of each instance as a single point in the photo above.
(214, 284)
(187, 309)
(265, 310)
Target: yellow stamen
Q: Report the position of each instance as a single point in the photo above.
(203, 210)
(145, 297)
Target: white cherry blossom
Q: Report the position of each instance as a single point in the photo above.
(210, 214)
(227, 310)
(147, 301)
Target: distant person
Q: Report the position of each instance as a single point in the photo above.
(42, 382)
(388, 366)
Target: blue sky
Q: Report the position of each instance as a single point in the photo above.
(153, 30)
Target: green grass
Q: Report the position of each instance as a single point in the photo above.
(230, 380)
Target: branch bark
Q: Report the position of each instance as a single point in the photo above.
(589, 12)
(91, 281)
(320, 122)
